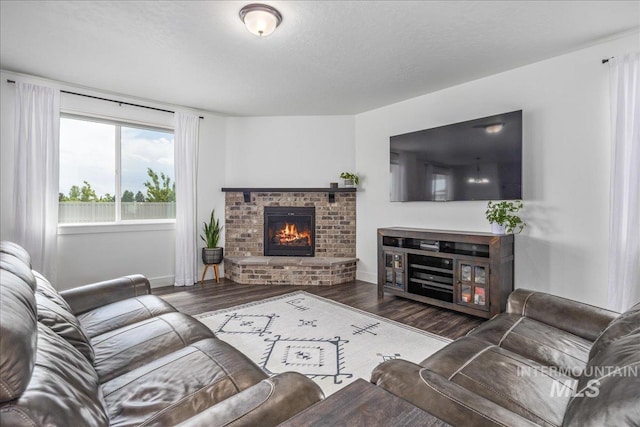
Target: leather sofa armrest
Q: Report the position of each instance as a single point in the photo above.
(88, 297)
(584, 320)
(442, 398)
(268, 403)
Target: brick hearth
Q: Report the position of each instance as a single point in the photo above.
(334, 261)
(290, 270)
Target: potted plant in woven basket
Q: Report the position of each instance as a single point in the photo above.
(212, 253)
(502, 216)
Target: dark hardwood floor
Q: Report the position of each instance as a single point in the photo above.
(362, 295)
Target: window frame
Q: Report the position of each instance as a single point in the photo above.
(119, 225)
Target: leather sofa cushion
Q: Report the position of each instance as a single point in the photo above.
(63, 389)
(179, 385)
(513, 382)
(134, 345)
(583, 320)
(65, 324)
(608, 393)
(44, 288)
(16, 251)
(18, 267)
(538, 341)
(270, 402)
(122, 313)
(18, 336)
(625, 323)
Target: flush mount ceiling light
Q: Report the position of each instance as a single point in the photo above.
(494, 128)
(260, 19)
(491, 127)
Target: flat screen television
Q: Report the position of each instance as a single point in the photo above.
(478, 159)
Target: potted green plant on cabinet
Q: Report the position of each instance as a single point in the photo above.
(502, 216)
(212, 253)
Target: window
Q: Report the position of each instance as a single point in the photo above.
(114, 172)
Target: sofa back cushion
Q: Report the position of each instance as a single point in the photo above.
(625, 323)
(44, 288)
(65, 324)
(63, 389)
(17, 330)
(607, 391)
(16, 251)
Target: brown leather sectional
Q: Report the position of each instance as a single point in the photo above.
(111, 354)
(547, 361)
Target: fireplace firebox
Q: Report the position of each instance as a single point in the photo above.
(289, 231)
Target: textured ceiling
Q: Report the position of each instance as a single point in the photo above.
(327, 57)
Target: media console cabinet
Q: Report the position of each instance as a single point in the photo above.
(463, 271)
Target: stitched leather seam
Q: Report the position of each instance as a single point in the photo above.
(271, 390)
(174, 404)
(225, 370)
(149, 372)
(518, 404)
(145, 306)
(184, 343)
(464, 365)
(612, 372)
(509, 330)
(133, 286)
(20, 413)
(524, 304)
(459, 402)
(9, 392)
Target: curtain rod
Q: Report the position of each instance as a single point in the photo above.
(113, 100)
(604, 61)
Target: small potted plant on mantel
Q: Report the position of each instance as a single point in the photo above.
(503, 218)
(350, 179)
(212, 253)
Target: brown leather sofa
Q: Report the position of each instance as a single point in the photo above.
(547, 361)
(112, 354)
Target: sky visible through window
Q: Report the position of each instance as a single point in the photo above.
(87, 153)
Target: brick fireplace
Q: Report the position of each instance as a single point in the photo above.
(333, 260)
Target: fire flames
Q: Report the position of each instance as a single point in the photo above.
(289, 235)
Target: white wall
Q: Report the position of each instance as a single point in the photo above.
(90, 254)
(565, 171)
(303, 151)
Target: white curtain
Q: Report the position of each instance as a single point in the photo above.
(186, 161)
(35, 188)
(624, 218)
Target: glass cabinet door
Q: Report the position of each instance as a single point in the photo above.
(472, 284)
(394, 270)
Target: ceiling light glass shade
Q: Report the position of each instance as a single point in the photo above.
(260, 19)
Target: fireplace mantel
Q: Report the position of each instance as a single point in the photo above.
(246, 191)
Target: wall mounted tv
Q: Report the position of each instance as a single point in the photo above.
(479, 159)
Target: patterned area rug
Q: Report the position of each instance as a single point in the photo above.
(329, 342)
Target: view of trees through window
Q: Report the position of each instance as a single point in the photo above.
(95, 156)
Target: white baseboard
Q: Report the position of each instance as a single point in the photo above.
(160, 282)
(367, 277)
